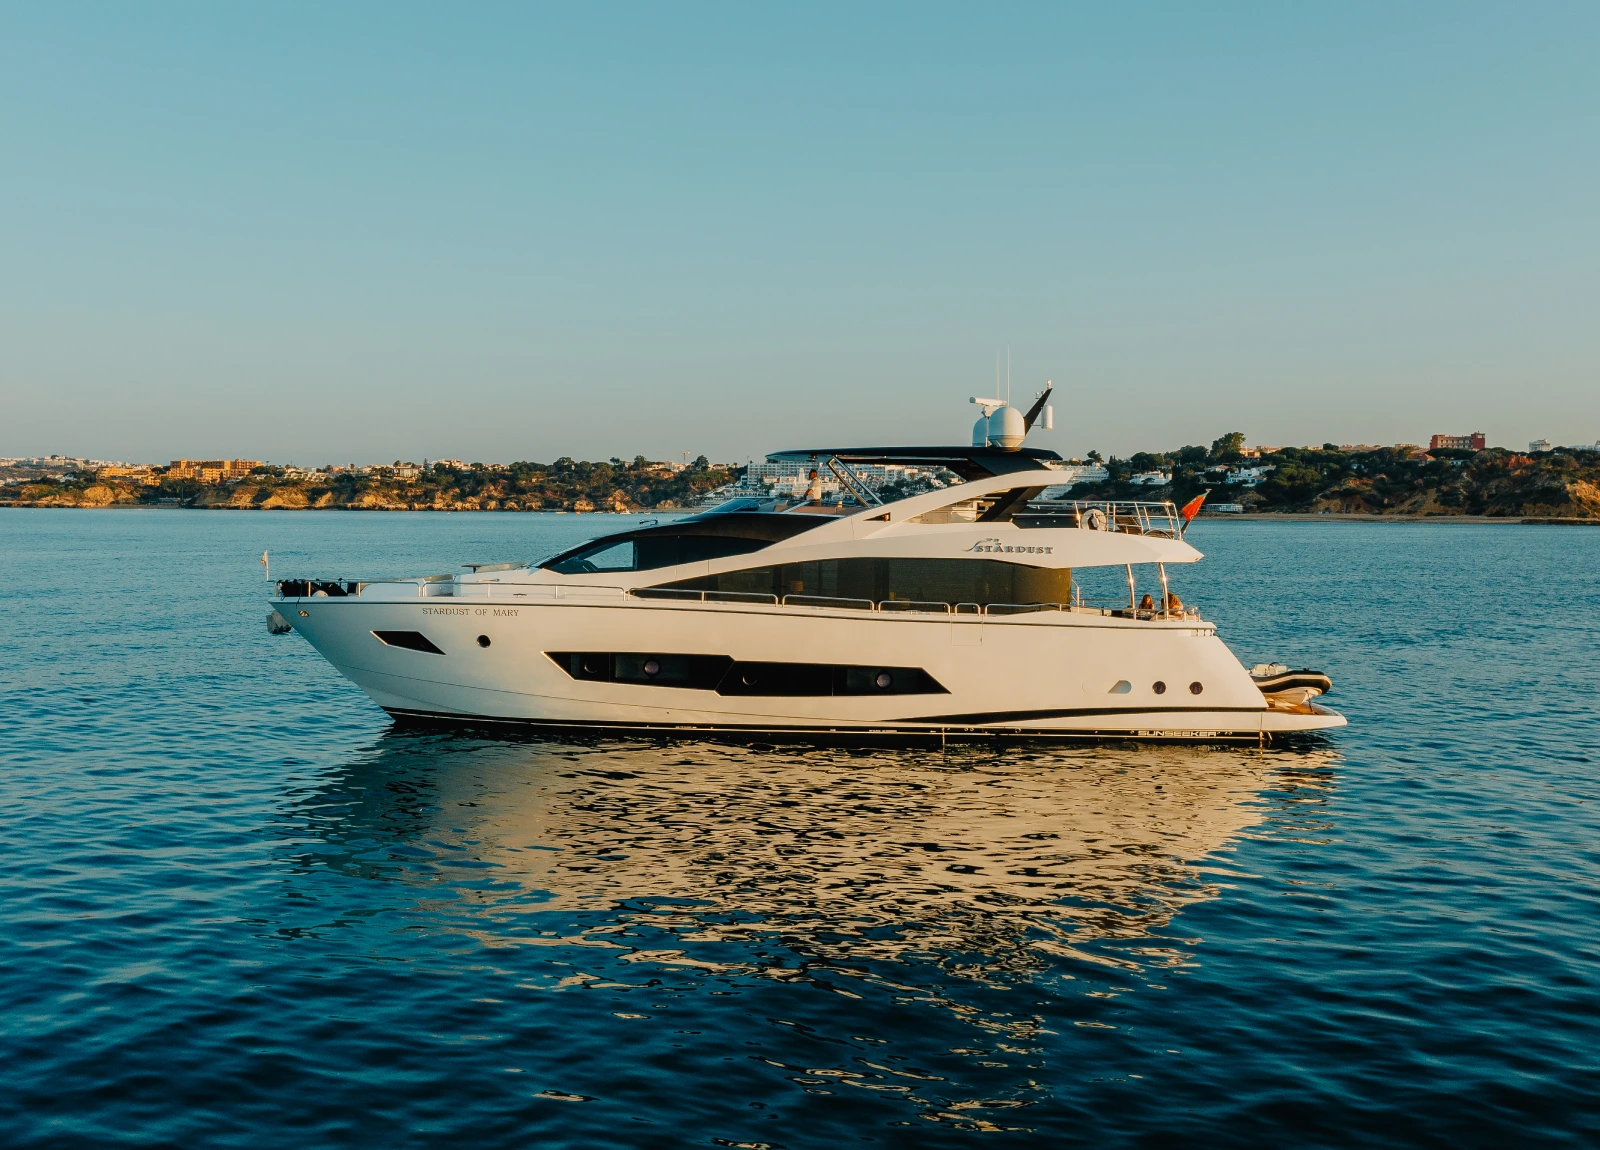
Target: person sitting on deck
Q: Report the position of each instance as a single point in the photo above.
(1147, 603)
(811, 502)
(1174, 604)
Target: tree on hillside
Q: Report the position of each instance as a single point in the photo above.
(1227, 446)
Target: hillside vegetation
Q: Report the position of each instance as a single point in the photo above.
(1563, 483)
(565, 485)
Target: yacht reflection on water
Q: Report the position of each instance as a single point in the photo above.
(748, 861)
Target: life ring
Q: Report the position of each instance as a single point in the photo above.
(1094, 519)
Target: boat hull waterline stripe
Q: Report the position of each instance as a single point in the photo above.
(889, 727)
(983, 718)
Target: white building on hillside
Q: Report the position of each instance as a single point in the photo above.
(1248, 476)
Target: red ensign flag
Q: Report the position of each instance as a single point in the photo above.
(1192, 508)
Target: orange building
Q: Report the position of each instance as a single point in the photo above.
(1473, 442)
(140, 473)
(211, 470)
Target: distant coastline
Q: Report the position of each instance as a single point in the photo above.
(246, 485)
(1402, 483)
(1440, 518)
(1376, 517)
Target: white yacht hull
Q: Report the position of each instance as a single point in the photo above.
(1042, 674)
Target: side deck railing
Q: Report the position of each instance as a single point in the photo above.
(444, 587)
(506, 593)
(1079, 605)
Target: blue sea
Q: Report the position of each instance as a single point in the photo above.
(239, 908)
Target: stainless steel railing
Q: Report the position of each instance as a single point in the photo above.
(909, 606)
(438, 587)
(1130, 516)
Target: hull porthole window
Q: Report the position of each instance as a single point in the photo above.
(652, 668)
(407, 640)
(1196, 688)
(884, 680)
(483, 640)
(1159, 687)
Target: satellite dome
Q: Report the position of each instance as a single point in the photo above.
(980, 432)
(1007, 428)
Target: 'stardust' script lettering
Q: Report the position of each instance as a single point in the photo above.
(992, 545)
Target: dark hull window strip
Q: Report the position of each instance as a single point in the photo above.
(691, 672)
(722, 674)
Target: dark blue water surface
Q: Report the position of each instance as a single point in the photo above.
(240, 909)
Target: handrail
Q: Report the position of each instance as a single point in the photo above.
(828, 601)
(1136, 517)
(740, 597)
(1079, 605)
(431, 586)
(578, 592)
(667, 593)
(854, 483)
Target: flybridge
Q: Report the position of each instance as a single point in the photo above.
(968, 462)
(996, 447)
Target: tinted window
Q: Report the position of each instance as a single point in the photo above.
(410, 640)
(601, 557)
(650, 552)
(670, 550)
(925, 580)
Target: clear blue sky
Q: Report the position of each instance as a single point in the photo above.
(319, 232)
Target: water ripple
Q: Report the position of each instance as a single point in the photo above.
(239, 909)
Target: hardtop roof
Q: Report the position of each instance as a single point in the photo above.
(968, 462)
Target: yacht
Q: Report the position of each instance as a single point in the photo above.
(951, 613)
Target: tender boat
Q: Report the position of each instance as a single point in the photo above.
(946, 614)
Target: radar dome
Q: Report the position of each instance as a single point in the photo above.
(980, 432)
(1007, 428)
